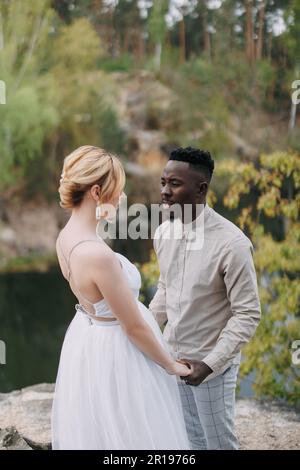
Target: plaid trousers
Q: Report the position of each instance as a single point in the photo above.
(209, 411)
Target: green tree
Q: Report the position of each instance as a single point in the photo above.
(276, 184)
(29, 114)
(129, 27)
(57, 98)
(158, 28)
(292, 41)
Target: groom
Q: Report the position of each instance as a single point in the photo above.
(208, 295)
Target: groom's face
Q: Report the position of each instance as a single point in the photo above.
(181, 184)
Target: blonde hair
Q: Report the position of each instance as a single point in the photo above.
(85, 167)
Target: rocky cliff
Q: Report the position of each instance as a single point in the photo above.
(25, 421)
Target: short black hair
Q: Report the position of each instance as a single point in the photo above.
(198, 159)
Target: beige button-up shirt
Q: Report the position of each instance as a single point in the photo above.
(207, 292)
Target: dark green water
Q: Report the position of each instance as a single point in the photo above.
(35, 309)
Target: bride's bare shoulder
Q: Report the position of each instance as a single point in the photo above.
(97, 257)
(80, 249)
(94, 252)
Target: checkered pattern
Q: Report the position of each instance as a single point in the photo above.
(209, 411)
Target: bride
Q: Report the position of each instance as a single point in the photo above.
(116, 385)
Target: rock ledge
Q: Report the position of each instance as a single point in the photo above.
(25, 421)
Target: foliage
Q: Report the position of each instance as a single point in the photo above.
(29, 114)
(34, 262)
(58, 55)
(57, 98)
(277, 183)
(124, 63)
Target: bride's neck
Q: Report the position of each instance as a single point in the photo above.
(83, 220)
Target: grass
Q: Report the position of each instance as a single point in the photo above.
(32, 262)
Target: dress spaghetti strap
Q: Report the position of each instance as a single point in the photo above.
(67, 260)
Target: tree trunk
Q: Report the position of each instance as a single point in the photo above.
(207, 43)
(269, 45)
(157, 56)
(141, 49)
(125, 45)
(249, 31)
(292, 120)
(182, 40)
(260, 38)
(97, 6)
(168, 40)
(116, 50)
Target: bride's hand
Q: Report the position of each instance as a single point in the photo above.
(179, 369)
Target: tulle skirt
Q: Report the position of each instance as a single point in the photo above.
(110, 396)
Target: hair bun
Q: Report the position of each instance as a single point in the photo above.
(85, 167)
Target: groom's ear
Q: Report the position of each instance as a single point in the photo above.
(202, 188)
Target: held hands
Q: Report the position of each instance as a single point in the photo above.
(179, 368)
(198, 371)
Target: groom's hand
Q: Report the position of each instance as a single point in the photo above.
(200, 371)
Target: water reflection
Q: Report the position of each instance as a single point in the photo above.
(35, 309)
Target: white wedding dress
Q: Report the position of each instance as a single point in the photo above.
(108, 394)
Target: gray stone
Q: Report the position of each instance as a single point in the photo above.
(25, 421)
(10, 439)
(28, 410)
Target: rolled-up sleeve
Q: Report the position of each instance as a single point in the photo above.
(242, 292)
(157, 305)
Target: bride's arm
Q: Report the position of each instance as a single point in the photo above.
(107, 274)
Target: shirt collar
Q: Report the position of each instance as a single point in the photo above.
(198, 221)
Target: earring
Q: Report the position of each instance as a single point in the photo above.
(98, 211)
